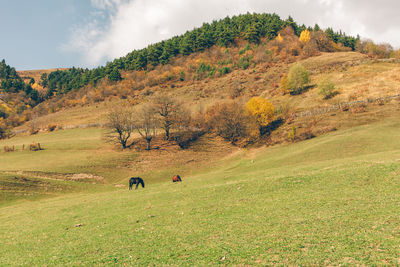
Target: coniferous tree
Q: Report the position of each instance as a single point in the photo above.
(115, 75)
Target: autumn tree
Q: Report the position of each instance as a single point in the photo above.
(227, 120)
(171, 113)
(305, 36)
(121, 126)
(261, 110)
(297, 79)
(146, 123)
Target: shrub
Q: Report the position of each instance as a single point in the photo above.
(51, 127)
(235, 91)
(284, 85)
(298, 78)
(224, 70)
(182, 76)
(185, 138)
(4, 131)
(35, 147)
(244, 62)
(9, 148)
(3, 112)
(326, 88)
(292, 134)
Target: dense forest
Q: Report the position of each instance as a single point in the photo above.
(12, 83)
(250, 27)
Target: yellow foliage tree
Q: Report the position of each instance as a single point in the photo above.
(279, 38)
(261, 110)
(305, 36)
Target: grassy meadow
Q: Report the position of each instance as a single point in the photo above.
(331, 200)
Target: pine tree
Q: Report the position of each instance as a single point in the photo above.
(115, 75)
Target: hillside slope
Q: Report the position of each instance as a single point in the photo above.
(332, 200)
(355, 76)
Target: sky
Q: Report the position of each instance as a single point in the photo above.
(41, 34)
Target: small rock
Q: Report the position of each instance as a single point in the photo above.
(78, 225)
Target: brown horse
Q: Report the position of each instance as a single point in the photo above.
(176, 178)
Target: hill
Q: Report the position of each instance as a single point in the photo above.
(315, 184)
(329, 200)
(356, 76)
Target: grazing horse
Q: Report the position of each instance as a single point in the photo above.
(176, 178)
(136, 181)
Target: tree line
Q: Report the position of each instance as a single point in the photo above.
(236, 122)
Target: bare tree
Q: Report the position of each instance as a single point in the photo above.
(146, 123)
(121, 124)
(169, 111)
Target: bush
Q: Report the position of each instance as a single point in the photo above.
(235, 91)
(326, 88)
(283, 85)
(182, 76)
(4, 132)
(51, 127)
(297, 79)
(9, 148)
(224, 70)
(185, 138)
(292, 134)
(3, 112)
(35, 147)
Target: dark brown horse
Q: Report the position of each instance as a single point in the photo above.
(136, 181)
(176, 178)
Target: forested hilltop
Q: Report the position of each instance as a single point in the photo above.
(250, 27)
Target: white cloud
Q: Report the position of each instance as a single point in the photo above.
(104, 4)
(134, 24)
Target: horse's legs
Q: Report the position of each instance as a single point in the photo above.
(137, 184)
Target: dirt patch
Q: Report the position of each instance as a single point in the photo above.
(78, 177)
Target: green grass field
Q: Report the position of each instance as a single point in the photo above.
(332, 200)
